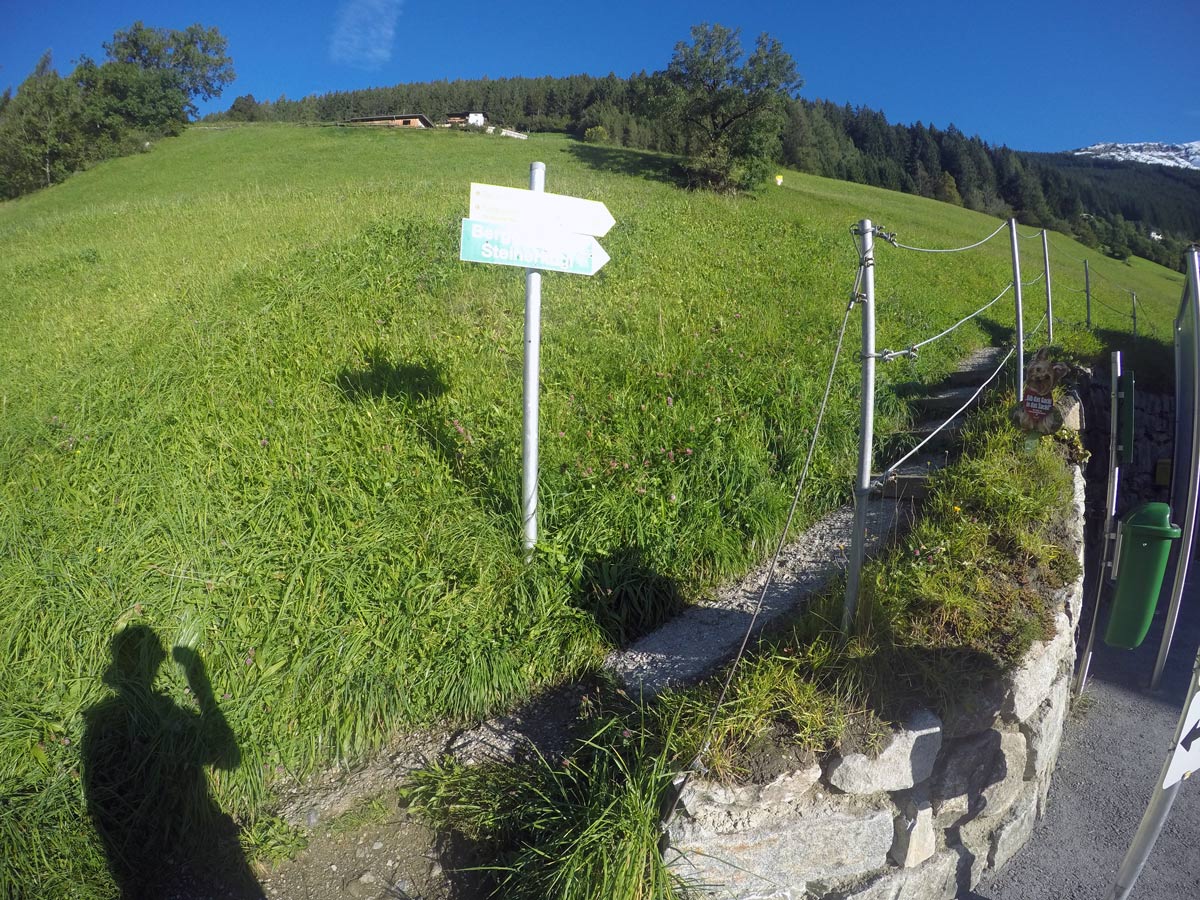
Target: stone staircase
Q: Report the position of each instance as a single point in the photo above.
(706, 635)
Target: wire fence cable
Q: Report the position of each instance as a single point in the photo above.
(891, 239)
(888, 355)
(812, 446)
(887, 473)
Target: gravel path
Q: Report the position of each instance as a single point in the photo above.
(1112, 753)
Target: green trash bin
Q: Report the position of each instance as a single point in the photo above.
(1143, 545)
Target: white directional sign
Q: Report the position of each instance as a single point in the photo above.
(505, 205)
(1186, 758)
(530, 248)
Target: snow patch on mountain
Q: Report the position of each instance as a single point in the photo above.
(1183, 156)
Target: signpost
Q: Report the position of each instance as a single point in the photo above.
(533, 230)
(514, 206)
(1186, 758)
(513, 245)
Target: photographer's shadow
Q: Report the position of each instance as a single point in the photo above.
(147, 792)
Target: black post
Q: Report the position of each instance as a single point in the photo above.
(1087, 289)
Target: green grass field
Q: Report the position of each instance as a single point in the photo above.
(253, 401)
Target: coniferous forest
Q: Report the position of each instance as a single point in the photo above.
(1111, 206)
(146, 88)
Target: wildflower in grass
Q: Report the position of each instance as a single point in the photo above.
(99, 549)
(687, 450)
(262, 442)
(672, 498)
(670, 400)
(671, 455)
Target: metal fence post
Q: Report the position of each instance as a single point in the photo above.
(1016, 262)
(862, 487)
(533, 341)
(1049, 296)
(1133, 303)
(1087, 290)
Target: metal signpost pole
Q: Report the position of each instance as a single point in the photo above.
(1016, 259)
(1049, 297)
(862, 488)
(1110, 517)
(533, 341)
(533, 230)
(1180, 763)
(1087, 290)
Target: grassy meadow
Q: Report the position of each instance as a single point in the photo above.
(253, 402)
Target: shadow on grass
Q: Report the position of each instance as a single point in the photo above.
(636, 163)
(383, 378)
(145, 784)
(627, 597)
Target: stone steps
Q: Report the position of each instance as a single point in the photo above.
(703, 637)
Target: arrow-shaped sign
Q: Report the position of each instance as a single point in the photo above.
(1186, 757)
(1190, 738)
(505, 205)
(530, 248)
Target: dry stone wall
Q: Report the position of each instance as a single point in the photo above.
(944, 802)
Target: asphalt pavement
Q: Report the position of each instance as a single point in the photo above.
(1115, 744)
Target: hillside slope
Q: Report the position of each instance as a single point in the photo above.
(255, 404)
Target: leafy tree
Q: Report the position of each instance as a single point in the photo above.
(245, 109)
(730, 107)
(195, 56)
(39, 140)
(120, 104)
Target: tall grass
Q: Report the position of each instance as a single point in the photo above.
(583, 827)
(250, 393)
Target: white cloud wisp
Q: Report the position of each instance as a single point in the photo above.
(364, 34)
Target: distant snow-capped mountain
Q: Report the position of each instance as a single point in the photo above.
(1183, 156)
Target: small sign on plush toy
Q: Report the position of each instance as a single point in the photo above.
(1037, 412)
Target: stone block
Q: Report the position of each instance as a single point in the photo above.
(1016, 827)
(1044, 729)
(915, 837)
(1030, 683)
(974, 840)
(1007, 777)
(935, 880)
(830, 842)
(962, 774)
(725, 808)
(906, 761)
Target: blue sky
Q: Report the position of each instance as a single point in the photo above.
(1050, 75)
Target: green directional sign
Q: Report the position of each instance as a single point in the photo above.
(530, 248)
